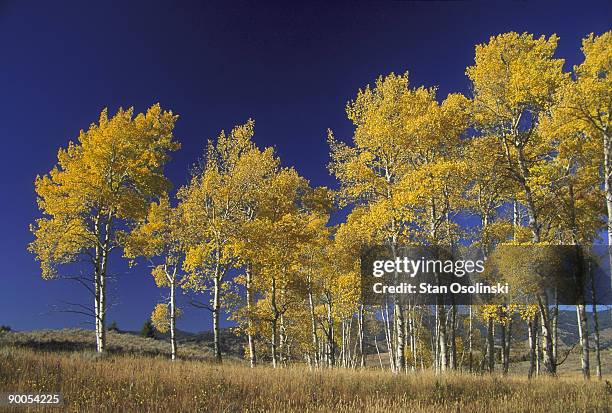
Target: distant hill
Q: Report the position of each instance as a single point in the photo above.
(191, 346)
(568, 327)
(231, 343)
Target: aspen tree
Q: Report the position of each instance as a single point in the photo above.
(290, 216)
(575, 183)
(582, 113)
(253, 175)
(583, 107)
(101, 183)
(161, 236)
(211, 207)
(398, 130)
(514, 79)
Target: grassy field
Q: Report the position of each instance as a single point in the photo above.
(132, 382)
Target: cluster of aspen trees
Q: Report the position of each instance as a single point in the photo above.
(527, 155)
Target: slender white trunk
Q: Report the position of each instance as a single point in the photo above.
(400, 338)
(249, 300)
(548, 357)
(173, 316)
(331, 348)
(442, 344)
(97, 311)
(531, 329)
(282, 341)
(274, 324)
(97, 270)
(215, 316)
(313, 329)
(362, 361)
(470, 340)
(554, 321)
(583, 335)
(452, 337)
(101, 286)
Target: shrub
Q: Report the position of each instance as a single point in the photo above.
(148, 330)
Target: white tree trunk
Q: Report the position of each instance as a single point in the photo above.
(583, 335)
(249, 300)
(172, 319)
(470, 340)
(273, 344)
(548, 358)
(362, 361)
(531, 330)
(400, 339)
(313, 329)
(215, 315)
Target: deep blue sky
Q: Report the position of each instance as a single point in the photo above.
(291, 67)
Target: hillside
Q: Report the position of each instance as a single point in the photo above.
(200, 345)
(192, 346)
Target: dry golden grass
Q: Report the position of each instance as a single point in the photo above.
(155, 384)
